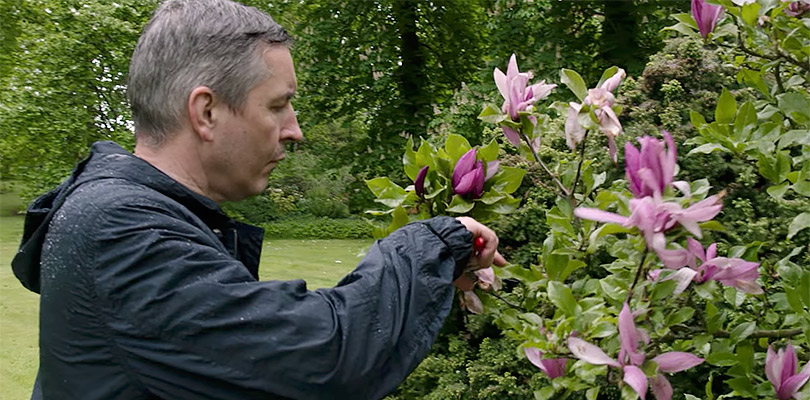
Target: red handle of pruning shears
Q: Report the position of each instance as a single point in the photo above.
(478, 244)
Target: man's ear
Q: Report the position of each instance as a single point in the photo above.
(201, 112)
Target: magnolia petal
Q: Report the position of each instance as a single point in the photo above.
(790, 363)
(595, 214)
(492, 169)
(613, 82)
(612, 151)
(419, 182)
(683, 186)
(486, 275)
(466, 184)
(464, 165)
(501, 83)
(661, 388)
(478, 181)
(791, 385)
(511, 135)
(512, 68)
(554, 368)
(628, 335)
(631, 166)
(574, 132)
(676, 361)
(635, 377)
(683, 277)
(670, 161)
(541, 90)
(472, 303)
(609, 123)
(589, 353)
(773, 367)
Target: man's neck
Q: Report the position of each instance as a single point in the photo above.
(180, 162)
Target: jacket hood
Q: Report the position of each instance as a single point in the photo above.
(107, 160)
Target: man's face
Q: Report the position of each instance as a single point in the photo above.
(251, 142)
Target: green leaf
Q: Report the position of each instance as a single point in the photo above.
(545, 393)
(750, 13)
(683, 28)
(492, 114)
(794, 137)
(508, 179)
(686, 18)
(778, 191)
(742, 385)
(726, 108)
(426, 155)
(754, 79)
(489, 152)
(561, 296)
(745, 122)
(745, 354)
(722, 359)
(801, 221)
(796, 106)
(696, 119)
(456, 146)
(607, 75)
(802, 188)
(574, 82)
(682, 315)
(400, 219)
(377, 185)
(742, 331)
(460, 205)
(708, 148)
(409, 161)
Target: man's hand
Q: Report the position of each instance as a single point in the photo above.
(485, 252)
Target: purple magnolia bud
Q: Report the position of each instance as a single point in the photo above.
(553, 367)
(706, 16)
(781, 371)
(650, 171)
(419, 183)
(468, 176)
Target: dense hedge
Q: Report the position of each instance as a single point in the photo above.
(307, 227)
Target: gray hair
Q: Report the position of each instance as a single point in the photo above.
(192, 43)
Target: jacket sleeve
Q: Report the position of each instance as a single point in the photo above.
(192, 323)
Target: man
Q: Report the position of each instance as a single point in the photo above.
(149, 291)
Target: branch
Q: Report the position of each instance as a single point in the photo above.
(579, 167)
(545, 168)
(638, 274)
(515, 306)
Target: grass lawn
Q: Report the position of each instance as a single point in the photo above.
(319, 262)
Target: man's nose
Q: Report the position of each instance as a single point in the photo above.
(292, 131)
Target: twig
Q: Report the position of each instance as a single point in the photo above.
(545, 168)
(515, 306)
(638, 274)
(579, 167)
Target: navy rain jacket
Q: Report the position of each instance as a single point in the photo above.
(149, 291)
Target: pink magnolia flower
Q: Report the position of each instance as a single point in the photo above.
(706, 15)
(600, 100)
(797, 8)
(469, 175)
(650, 171)
(553, 367)
(517, 95)
(631, 358)
(734, 272)
(419, 182)
(781, 371)
(486, 280)
(653, 216)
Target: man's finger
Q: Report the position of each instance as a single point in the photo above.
(499, 260)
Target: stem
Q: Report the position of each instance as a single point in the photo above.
(778, 75)
(638, 274)
(515, 306)
(579, 167)
(545, 168)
